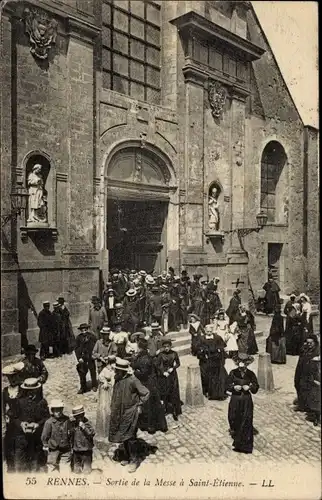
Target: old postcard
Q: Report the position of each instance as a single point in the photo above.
(160, 281)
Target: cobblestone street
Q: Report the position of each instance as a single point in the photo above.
(201, 434)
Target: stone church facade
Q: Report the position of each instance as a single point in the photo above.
(136, 112)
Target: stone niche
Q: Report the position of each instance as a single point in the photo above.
(40, 182)
(213, 219)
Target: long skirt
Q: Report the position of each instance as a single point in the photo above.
(240, 418)
(293, 336)
(103, 413)
(277, 351)
(213, 380)
(152, 418)
(170, 393)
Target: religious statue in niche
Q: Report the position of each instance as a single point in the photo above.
(213, 208)
(37, 197)
(42, 31)
(217, 95)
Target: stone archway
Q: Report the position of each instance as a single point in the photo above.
(141, 208)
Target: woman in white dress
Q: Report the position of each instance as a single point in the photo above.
(105, 389)
(306, 316)
(222, 328)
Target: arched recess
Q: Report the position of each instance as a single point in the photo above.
(274, 183)
(139, 180)
(49, 176)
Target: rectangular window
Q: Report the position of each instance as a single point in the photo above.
(131, 48)
(268, 190)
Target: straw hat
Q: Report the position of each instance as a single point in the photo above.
(131, 293)
(155, 326)
(122, 364)
(30, 384)
(105, 330)
(56, 403)
(149, 280)
(78, 410)
(11, 369)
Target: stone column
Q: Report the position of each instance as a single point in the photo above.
(194, 158)
(236, 255)
(10, 338)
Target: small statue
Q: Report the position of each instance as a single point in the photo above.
(213, 209)
(37, 196)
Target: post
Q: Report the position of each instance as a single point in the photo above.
(194, 395)
(265, 372)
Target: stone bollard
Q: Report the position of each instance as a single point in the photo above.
(194, 396)
(265, 373)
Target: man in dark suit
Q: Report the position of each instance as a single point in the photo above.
(84, 347)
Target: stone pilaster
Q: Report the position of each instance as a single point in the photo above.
(194, 157)
(237, 259)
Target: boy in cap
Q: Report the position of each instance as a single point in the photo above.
(45, 324)
(127, 399)
(82, 441)
(55, 437)
(10, 397)
(103, 348)
(32, 413)
(85, 342)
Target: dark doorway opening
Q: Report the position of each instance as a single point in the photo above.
(137, 235)
(274, 260)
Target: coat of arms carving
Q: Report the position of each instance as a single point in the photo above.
(217, 95)
(42, 31)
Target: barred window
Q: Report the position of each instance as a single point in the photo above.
(131, 48)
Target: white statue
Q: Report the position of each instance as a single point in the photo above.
(213, 209)
(37, 197)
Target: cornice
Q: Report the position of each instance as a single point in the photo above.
(192, 74)
(193, 24)
(79, 29)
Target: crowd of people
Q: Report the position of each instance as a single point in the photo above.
(128, 353)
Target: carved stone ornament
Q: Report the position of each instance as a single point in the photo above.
(42, 31)
(217, 95)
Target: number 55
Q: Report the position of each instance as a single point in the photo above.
(31, 480)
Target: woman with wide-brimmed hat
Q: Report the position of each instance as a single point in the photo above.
(105, 389)
(241, 384)
(244, 330)
(221, 327)
(167, 362)
(152, 418)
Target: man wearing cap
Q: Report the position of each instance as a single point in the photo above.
(104, 347)
(45, 324)
(56, 437)
(10, 397)
(85, 343)
(128, 397)
(233, 308)
(32, 412)
(33, 366)
(82, 441)
(131, 311)
(97, 318)
(67, 342)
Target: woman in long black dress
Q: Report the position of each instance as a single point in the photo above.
(314, 391)
(303, 372)
(211, 354)
(245, 331)
(167, 362)
(152, 418)
(293, 326)
(241, 384)
(275, 342)
(196, 331)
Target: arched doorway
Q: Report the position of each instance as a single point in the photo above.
(138, 194)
